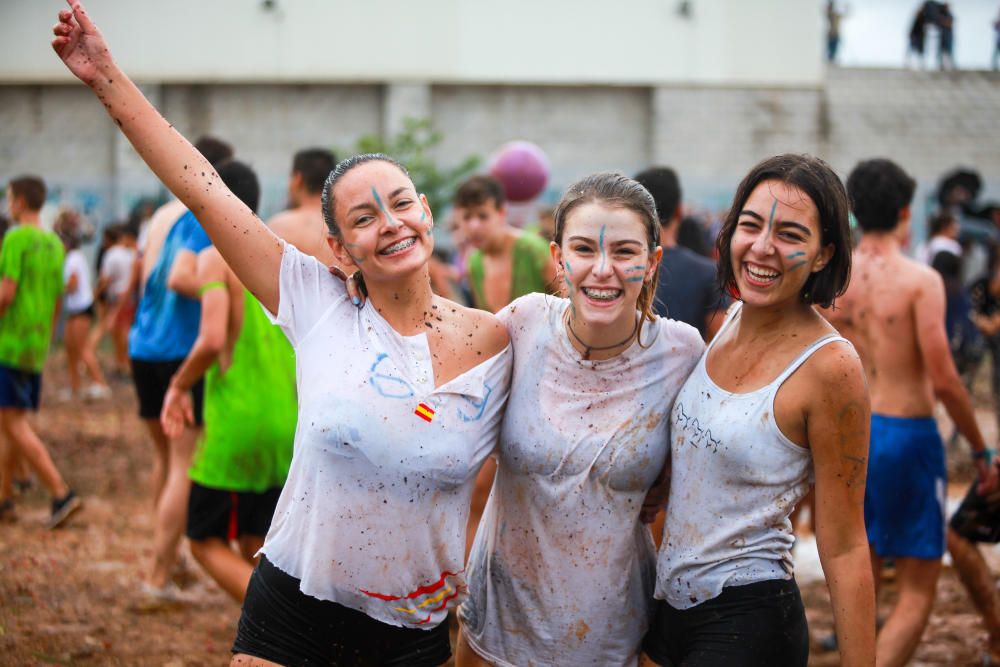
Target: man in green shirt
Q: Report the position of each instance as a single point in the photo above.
(31, 263)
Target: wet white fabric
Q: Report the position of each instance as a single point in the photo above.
(116, 266)
(373, 515)
(562, 571)
(735, 478)
(82, 297)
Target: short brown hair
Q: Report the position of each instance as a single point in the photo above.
(615, 191)
(477, 191)
(818, 181)
(29, 188)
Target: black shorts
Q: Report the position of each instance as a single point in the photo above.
(977, 519)
(282, 624)
(20, 389)
(757, 625)
(88, 311)
(229, 514)
(152, 378)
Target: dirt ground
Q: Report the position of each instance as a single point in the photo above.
(69, 597)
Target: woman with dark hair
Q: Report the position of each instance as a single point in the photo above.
(399, 401)
(562, 568)
(778, 402)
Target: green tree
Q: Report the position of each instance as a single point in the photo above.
(413, 146)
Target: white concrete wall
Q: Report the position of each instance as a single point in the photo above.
(747, 42)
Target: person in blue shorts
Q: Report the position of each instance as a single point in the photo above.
(893, 313)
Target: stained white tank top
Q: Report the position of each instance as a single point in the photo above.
(735, 479)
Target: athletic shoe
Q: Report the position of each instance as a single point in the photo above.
(97, 392)
(152, 598)
(8, 513)
(62, 508)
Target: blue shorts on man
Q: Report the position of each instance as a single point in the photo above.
(905, 494)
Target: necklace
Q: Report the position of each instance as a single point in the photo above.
(592, 348)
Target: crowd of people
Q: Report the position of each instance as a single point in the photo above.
(330, 427)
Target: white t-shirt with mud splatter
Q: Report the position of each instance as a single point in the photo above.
(562, 571)
(373, 515)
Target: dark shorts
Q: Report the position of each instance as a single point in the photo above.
(20, 389)
(905, 493)
(88, 311)
(282, 624)
(977, 519)
(757, 625)
(152, 378)
(229, 514)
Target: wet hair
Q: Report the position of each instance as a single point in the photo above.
(242, 180)
(31, 189)
(314, 165)
(662, 183)
(215, 150)
(940, 222)
(879, 190)
(615, 190)
(817, 180)
(344, 166)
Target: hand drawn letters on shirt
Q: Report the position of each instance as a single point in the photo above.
(694, 433)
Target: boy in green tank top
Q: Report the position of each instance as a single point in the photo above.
(250, 407)
(31, 273)
(506, 262)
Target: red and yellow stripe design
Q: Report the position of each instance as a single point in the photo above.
(425, 412)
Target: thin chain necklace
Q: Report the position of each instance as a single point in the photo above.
(592, 348)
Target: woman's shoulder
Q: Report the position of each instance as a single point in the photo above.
(679, 336)
(478, 331)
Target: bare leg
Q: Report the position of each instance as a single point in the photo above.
(229, 569)
(901, 633)
(171, 510)
(244, 660)
(7, 467)
(78, 349)
(22, 439)
(119, 337)
(161, 458)
(646, 661)
(978, 581)
(249, 546)
(465, 656)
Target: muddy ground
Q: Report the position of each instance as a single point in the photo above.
(70, 597)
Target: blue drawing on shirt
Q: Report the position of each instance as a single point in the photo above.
(698, 436)
(389, 386)
(479, 405)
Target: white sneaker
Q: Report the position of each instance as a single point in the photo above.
(97, 392)
(65, 395)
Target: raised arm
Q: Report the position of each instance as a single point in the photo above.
(837, 427)
(247, 245)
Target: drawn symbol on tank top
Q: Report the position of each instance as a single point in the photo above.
(436, 597)
(389, 386)
(479, 405)
(697, 436)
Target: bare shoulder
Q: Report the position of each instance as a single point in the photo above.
(478, 331)
(836, 368)
(165, 216)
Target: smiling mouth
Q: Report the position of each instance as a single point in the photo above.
(601, 294)
(399, 246)
(761, 274)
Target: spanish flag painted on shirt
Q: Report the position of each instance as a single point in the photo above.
(425, 412)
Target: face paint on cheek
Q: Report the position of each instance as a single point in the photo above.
(357, 259)
(568, 269)
(798, 264)
(636, 278)
(795, 254)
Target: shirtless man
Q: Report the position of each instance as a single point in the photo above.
(507, 262)
(893, 313)
(302, 224)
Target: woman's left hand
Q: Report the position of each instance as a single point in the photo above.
(354, 283)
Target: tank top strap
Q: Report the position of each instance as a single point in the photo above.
(804, 356)
(734, 311)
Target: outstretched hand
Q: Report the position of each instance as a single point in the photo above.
(80, 44)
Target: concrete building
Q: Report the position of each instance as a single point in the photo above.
(708, 86)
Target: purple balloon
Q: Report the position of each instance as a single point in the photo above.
(522, 168)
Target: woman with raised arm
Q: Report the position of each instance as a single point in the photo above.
(399, 400)
(778, 402)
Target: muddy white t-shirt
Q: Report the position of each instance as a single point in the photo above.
(374, 512)
(562, 570)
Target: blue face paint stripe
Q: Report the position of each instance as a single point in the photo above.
(795, 254)
(378, 200)
(600, 242)
(770, 220)
(568, 269)
(637, 279)
(798, 264)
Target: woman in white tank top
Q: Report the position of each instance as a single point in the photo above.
(777, 403)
